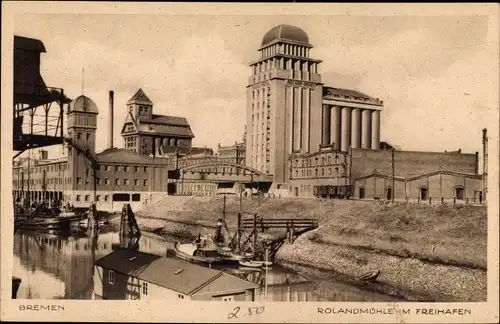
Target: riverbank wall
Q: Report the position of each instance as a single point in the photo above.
(414, 247)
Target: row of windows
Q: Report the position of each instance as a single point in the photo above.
(198, 187)
(232, 154)
(125, 168)
(116, 197)
(46, 168)
(126, 182)
(79, 136)
(262, 110)
(282, 63)
(320, 172)
(316, 161)
(49, 181)
(256, 93)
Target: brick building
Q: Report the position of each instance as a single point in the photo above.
(152, 134)
(123, 176)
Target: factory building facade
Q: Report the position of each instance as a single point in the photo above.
(122, 176)
(303, 138)
(323, 141)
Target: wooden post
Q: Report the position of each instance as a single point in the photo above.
(224, 209)
(238, 234)
(393, 176)
(241, 199)
(254, 233)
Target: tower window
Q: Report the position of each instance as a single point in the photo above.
(79, 135)
(88, 136)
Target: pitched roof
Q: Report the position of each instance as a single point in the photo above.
(186, 150)
(175, 274)
(329, 91)
(429, 174)
(141, 97)
(165, 120)
(124, 156)
(446, 172)
(165, 130)
(225, 284)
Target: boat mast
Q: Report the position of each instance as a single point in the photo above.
(267, 257)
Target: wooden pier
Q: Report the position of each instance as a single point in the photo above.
(250, 227)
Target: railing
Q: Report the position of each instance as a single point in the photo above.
(280, 223)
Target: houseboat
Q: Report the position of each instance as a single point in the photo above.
(129, 274)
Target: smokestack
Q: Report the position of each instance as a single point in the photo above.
(111, 116)
(485, 164)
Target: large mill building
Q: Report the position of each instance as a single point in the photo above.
(325, 141)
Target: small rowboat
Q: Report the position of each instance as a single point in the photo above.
(255, 264)
(369, 276)
(228, 255)
(193, 253)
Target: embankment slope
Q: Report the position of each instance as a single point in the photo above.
(433, 252)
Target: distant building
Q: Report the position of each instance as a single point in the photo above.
(129, 274)
(150, 134)
(233, 154)
(437, 186)
(333, 174)
(123, 176)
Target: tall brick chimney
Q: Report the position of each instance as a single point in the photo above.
(111, 117)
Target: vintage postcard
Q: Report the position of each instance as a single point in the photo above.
(250, 162)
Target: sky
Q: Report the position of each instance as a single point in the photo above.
(430, 72)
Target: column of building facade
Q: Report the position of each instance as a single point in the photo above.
(307, 112)
(366, 134)
(345, 129)
(325, 132)
(289, 107)
(356, 128)
(335, 126)
(375, 130)
(297, 120)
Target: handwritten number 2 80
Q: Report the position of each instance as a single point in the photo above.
(236, 310)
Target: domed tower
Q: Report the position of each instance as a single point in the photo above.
(284, 97)
(82, 126)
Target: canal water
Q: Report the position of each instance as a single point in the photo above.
(61, 267)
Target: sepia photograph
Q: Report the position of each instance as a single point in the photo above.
(348, 162)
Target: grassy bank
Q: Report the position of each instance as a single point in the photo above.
(445, 234)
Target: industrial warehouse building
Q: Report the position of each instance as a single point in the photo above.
(302, 138)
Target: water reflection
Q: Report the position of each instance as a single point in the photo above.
(54, 266)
